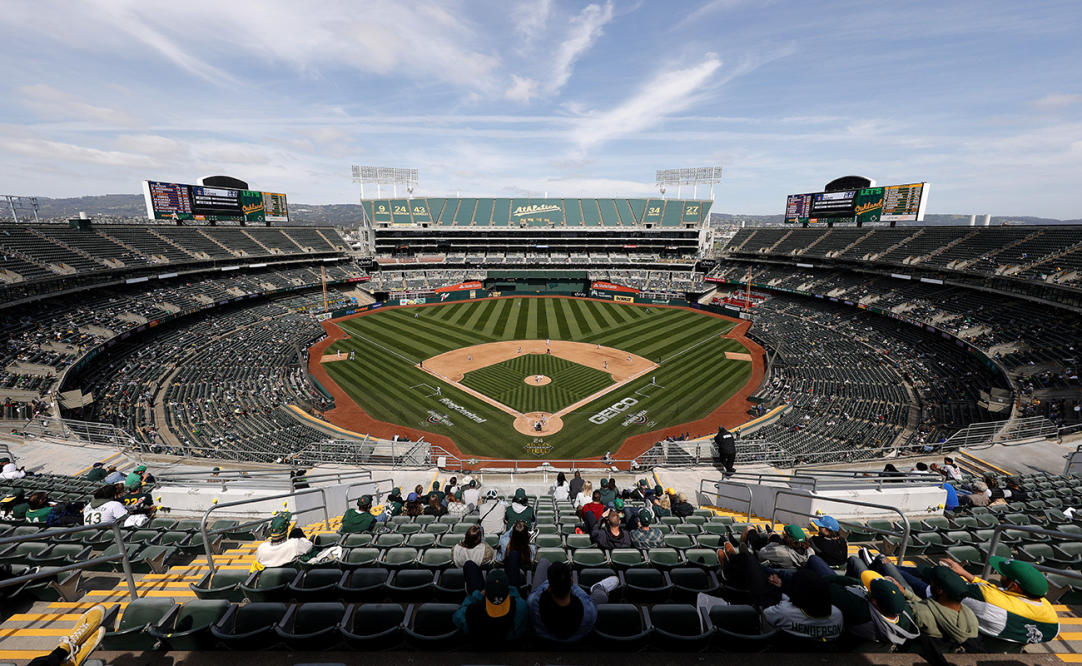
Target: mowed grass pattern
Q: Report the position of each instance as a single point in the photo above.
(506, 382)
(695, 375)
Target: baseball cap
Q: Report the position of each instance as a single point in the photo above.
(279, 526)
(492, 493)
(887, 596)
(412, 497)
(520, 494)
(365, 501)
(794, 532)
(645, 516)
(828, 522)
(1032, 582)
(618, 504)
(951, 583)
(497, 593)
(99, 464)
(396, 491)
(141, 468)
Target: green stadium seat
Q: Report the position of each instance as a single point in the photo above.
(588, 557)
(687, 528)
(187, 628)
(437, 528)
(436, 558)
(422, 520)
(409, 528)
(311, 626)
(249, 627)
(680, 542)
(356, 540)
(429, 626)
(269, 584)
(709, 541)
(552, 555)
(361, 557)
(399, 558)
(222, 584)
(321, 541)
(576, 541)
(627, 558)
(703, 557)
(646, 585)
(421, 540)
(935, 524)
(390, 540)
(585, 578)
(678, 627)
(620, 626)
(366, 584)
(130, 633)
(740, 628)
(666, 558)
(26, 552)
(374, 626)
(63, 553)
(1040, 553)
(688, 582)
(549, 541)
(314, 584)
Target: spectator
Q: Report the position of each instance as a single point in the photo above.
(575, 485)
(451, 488)
(788, 550)
(104, 507)
(455, 506)
(413, 505)
(640, 491)
(726, 444)
(594, 508)
(492, 512)
(875, 610)
(114, 476)
(76, 647)
(356, 521)
(804, 610)
(434, 507)
(473, 548)
(16, 503)
(493, 611)
(471, 496)
(584, 496)
(135, 478)
(662, 506)
(394, 501)
(608, 533)
(1014, 610)
(439, 493)
(38, 508)
(646, 537)
(608, 491)
(828, 542)
(515, 549)
(559, 610)
(97, 472)
(949, 470)
(283, 546)
(519, 509)
(9, 470)
(561, 492)
(682, 508)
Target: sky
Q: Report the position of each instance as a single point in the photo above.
(981, 99)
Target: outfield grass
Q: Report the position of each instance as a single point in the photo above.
(694, 377)
(571, 382)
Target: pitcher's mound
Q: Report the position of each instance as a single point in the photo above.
(538, 380)
(527, 423)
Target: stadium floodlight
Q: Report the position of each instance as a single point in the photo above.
(371, 175)
(28, 206)
(693, 176)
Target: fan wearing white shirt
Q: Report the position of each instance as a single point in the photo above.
(104, 508)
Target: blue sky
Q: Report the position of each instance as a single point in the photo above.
(982, 99)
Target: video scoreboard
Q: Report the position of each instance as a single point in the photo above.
(177, 201)
(867, 205)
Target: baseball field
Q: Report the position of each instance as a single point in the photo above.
(536, 377)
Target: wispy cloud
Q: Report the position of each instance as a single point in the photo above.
(668, 92)
(585, 29)
(1056, 101)
(51, 103)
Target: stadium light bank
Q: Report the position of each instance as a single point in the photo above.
(372, 175)
(693, 176)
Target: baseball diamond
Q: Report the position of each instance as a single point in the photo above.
(655, 368)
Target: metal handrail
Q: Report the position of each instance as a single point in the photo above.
(1031, 529)
(718, 484)
(254, 500)
(122, 555)
(812, 495)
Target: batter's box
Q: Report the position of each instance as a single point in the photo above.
(647, 390)
(429, 389)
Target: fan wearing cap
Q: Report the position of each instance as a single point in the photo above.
(646, 537)
(608, 491)
(828, 542)
(394, 501)
(1015, 610)
(943, 617)
(283, 546)
(519, 509)
(788, 550)
(8, 470)
(497, 613)
(608, 533)
(471, 495)
(97, 472)
(413, 506)
(874, 608)
(491, 511)
(135, 478)
(681, 507)
(356, 521)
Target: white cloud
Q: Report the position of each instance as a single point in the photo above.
(585, 30)
(57, 151)
(668, 92)
(51, 103)
(530, 18)
(522, 89)
(1056, 101)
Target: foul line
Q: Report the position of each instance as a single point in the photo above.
(373, 342)
(606, 390)
(697, 344)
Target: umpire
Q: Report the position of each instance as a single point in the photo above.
(726, 450)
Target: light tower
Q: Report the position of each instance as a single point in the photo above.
(693, 176)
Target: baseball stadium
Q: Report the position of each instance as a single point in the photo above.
(547, 404)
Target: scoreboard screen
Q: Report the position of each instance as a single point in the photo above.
(904, 203)
(868, 205)
(834, 204)
(798, 208)
(177, 201)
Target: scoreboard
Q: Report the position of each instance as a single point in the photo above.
(177, 201)
(868, 205)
